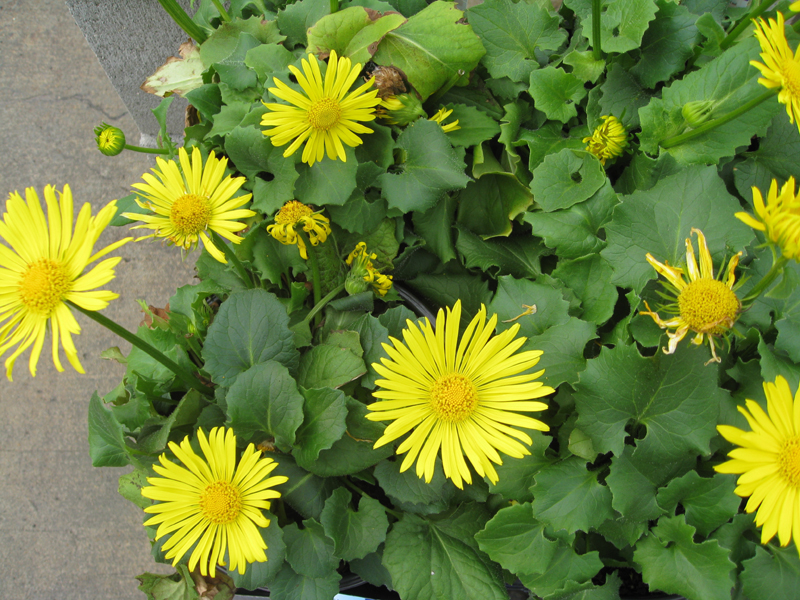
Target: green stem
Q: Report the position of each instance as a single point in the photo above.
(184, 375)
(233, 259)
(312, 258)
(334, 6)
(743, 24)
(321, 304)
(761, 286)
(597, 51)
(222, 12)
(397, 515)
(713, 124)
(183, 20)
(146, 150)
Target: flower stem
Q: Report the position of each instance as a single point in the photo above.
(233, 259)
(146, 150)
(183, 20)
(222, 12)
(597, 51)
(321, 304)
(312, 258)
(713, 124)
(397, 515)
(772, 274)
(334, 6)
(734, 33)
(181, 373)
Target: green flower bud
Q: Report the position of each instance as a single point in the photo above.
(698, 112)
(110, 140)
(401, 109)
(355, 282)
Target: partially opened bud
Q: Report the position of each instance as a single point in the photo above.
(110, 140)
(401, 109)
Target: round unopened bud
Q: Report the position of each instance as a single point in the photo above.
(697, 112)
(110, 140)
(402, 109)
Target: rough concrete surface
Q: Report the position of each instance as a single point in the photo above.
(65, 533)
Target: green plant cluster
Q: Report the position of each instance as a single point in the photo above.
(509, 211)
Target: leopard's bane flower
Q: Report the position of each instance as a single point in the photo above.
(363, 273)
(781, 66)
(186, 206)
(705, 305)
(212, 502)
(768, 462)
(295, 213)
(441, 115)
(110, 140)
(42, 268)
(608, 140)
(463, 397)
(779, 219)
(401, 109)
(326, 116)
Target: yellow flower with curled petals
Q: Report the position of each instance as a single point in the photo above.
(212, 503)
(295, 213)
(186, 206)
(363, 273)
(42, 268)
(767, 461)
(705, 305)
(327, 116)
(781, 67)
(458, 397)
(779, 218)
(608, 140)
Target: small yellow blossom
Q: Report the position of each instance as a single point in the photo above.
(779, 218)
(294, 213)
(608, 140)
(363, 273)
(441, 115)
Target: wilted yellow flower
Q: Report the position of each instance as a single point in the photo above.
(461, 397)
(781, 67)
(768, 462)
(363, 273)
(295, 213)
(326, 115)
(608, 140)
(42, 268)
(212, 503)
(779, 218)
(705, 305)
(441, 115)
(186, 206)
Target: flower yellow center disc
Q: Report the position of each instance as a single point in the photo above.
(43, 285)
(708, 306)
(292, 212)
(324, 114)
(190, 214)
(221, 502)
(453, 398)
(789, 461)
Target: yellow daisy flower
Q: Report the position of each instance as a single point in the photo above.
(441, 115)
(781, 67)
(768, 462)
(185, 206)
(294, 213)
(42, 269)
(363, 273)
(779, 218)
(326, 115)
(212, 502)
(608, 140)
(705, 305)
(463, 397)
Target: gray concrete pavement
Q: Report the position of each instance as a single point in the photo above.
(65, 533)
